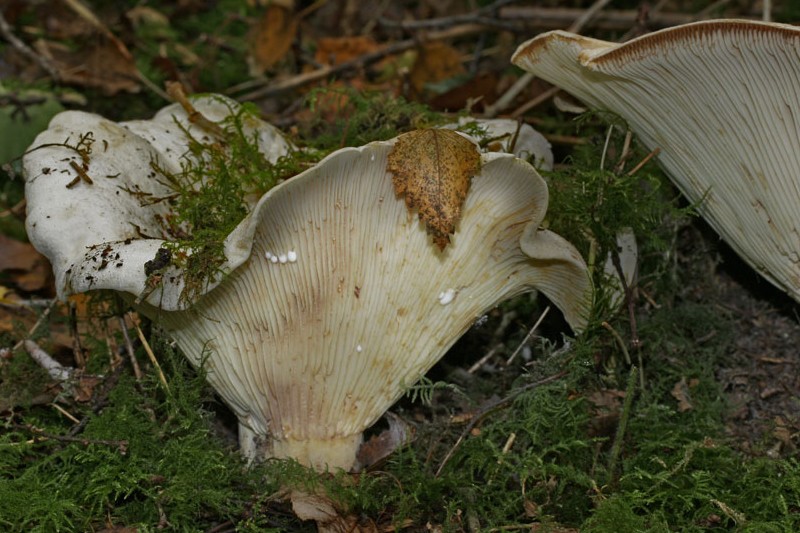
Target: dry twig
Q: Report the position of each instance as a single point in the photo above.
(528, 336)
(151, 355)
(137, 372)
(121, 445)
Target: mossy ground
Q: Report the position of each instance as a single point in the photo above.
(622, 437)
(552, 455)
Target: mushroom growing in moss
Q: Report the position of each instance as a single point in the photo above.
(335, 300)
(720, 100)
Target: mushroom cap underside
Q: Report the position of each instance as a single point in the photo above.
(319, 347)
(721, 100)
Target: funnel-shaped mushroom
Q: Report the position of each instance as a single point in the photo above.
(721, 100)
(336, 300)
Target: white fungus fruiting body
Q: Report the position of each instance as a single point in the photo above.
(367, 264)
(513, 137)
(105, 224)
(720, 100)
(278, 342)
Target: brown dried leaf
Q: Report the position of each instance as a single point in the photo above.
(379, 447)
(23, 265)
(338, 50)
(101, 62)
(435, 63)
(271, 37)
(328, 514)
(681, 393)
(433, 168)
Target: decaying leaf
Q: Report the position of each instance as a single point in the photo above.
(433, 168)
(100, 63)
(23, 266)
(436, 70)
(380, 446)
(681, 392)
(328, 515)
(271, 37)
(338, 50)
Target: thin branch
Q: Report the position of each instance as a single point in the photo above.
(528, 336)
(511, 94)
(475, 17)
(55, 370)
(151, 355)
(45, 314)
(121, 445)
(137, 372)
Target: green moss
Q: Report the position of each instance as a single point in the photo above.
(346, 117)
(213, 193)
(168, 465)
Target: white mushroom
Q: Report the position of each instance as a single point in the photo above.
(309, 356)
(513, 137)
(721, 100)
(98, 235)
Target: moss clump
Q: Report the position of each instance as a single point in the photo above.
(148, 458)
(217, 186)
(346, 117)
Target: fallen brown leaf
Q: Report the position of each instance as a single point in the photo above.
(380, 446)
(337, 50)
(328, 515)
(23, 266)
(435, 63)
(433, 168)
(271, 38)
(99, 62)
(681, 393)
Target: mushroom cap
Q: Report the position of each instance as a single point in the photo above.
(99, 236)
(313, 352)
(721, 100)
(529, 144)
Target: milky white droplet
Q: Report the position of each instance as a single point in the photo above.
(273, 259)
(291, 256)
(282, 258)
(372, 157)
(359, 348)
(268, 255)
(447, 296)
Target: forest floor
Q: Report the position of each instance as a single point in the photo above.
(676, 410)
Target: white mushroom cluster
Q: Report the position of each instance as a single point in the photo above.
(329, 310)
